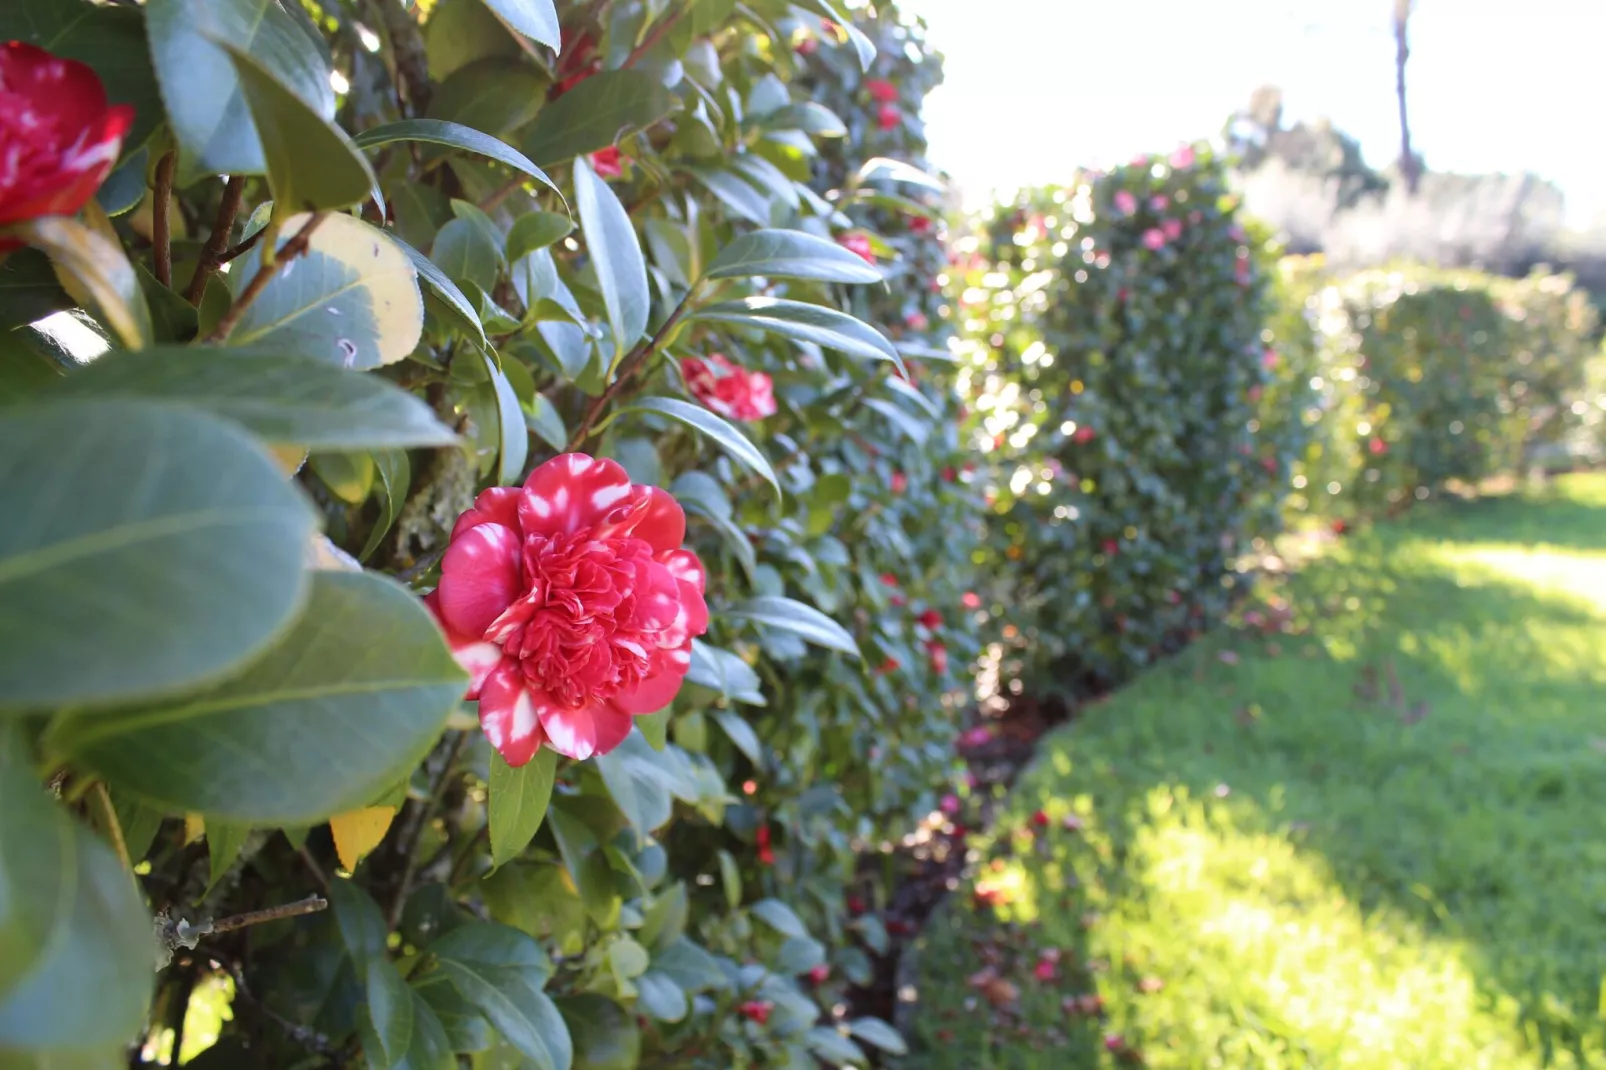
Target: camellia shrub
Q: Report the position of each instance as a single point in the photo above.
(1113, 360)
(484, 550)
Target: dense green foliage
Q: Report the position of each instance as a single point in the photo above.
(1363, 803)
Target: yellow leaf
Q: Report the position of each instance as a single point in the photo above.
(194, 828)
(359, 831)
(290, 458)
(94, 270)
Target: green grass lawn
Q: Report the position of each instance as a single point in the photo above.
(1378, 843)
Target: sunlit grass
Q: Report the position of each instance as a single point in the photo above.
(1380, 843)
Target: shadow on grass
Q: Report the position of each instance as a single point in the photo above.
(1380, 844)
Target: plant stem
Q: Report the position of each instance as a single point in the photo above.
(161, 223)
(426, 813)
(113, 826)
(310, 905)
(253, 289)
(627, 368)
(218, 241)
(657, 35)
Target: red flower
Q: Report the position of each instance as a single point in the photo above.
(888, 666)
(949, 804)
(1071, 823)
(766, 853)
(1040, 819)
(881, 91)
(1084, 435)
(1377, 446)
(577, 65)
(729, 389)
(931, 619)
(607, 163)
(572, 605)
(921, 224)
(1110, 547)
(827, 26)
(855, 905)
(1172, 228)
(1269, 359)
(900, 482)
(858, 243)
(756, 1010)
(972, 738)
(58, 137)
(887, 117)
(939, 656)
(916, 321)
(808, 46)
(949, 475)
(970, 600)
(819, 975)
(889, 580)
(1045, 970)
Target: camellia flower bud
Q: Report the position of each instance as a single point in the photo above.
(572, 605)
(729, 389)
(60, 138)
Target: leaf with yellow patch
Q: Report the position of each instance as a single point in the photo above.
(357, 832)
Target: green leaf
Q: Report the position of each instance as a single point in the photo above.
(518, 802)
(861, 43)
(716, 427)
(543, 418)
(341, 708)
(352, 299)
(692, 968)
(805, 323)
(94, 270)
(540, 900)
(722, 671)
(110, 40)
(834, 1048)
(780, 917)
(311, 162)
(875, 1032)
(665, 921)
(809, 117)
(444, 288)
(536, 230)
(643, 782)
(515, 437)
(457, 136)
(880, 168)
(277, 396)
(660, 998)
(395, 476)
(461, 32)
(71, 920)
(535, 19)
(201, 89)
(611, 244)
(495, 94)
(464, 251)
(385, 1016)
(349, 476)
(224, 840)
(790, 254)
(28, 289)
(362, 926)
(176, 556)
(595, 113)
(731, 878)
(741, 733)
(799, 954)
(501, 971)
(606, 1036)
(465, 1027)
(737, 194)
(793, 616)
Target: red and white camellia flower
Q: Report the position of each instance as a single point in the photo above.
(572, 605)
(58, 137)
(855, 242)
(607, 162)
(729, 389)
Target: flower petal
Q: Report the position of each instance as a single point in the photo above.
(585, 731)
(686, 567)
(663, 525)
(477, 657)
(656, 691)
(508, 715)
(570, 492)
(496, 505)
(479, 578)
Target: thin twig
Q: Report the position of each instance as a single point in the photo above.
(627, 368)
(315, 869)
(113, 826)
(656, 35)
(310, 905)
(409, 845)
(253, 289)
(222, 227)
(461, 860)
(161, 223)
(307, 1038)
(503, 192)
(245, 246)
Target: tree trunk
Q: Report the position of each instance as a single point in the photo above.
(1408, 162)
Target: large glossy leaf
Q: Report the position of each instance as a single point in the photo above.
(453, 135)
(444, 288)
(352, 299)
(502, 971)
(790, 254)
(736, 193)
(497, 94)
(514, 437)
(205, 103)
(535, 19)
(518, 802)
(163, 540)
(594, 113)
(94, 270)
(536, 230)
(280, 397)
(606, 1037)
(340, 709)
(880, 1034)
(398, 1028)
(807, 323)
(111, 40)
(724, 433)
(803, 620)
(311, 162)
(616, 254)
(720, 670)
(881, 168)
(71, 920)
(28, 289)
(834, 1048)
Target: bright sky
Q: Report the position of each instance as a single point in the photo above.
(1036, 87)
